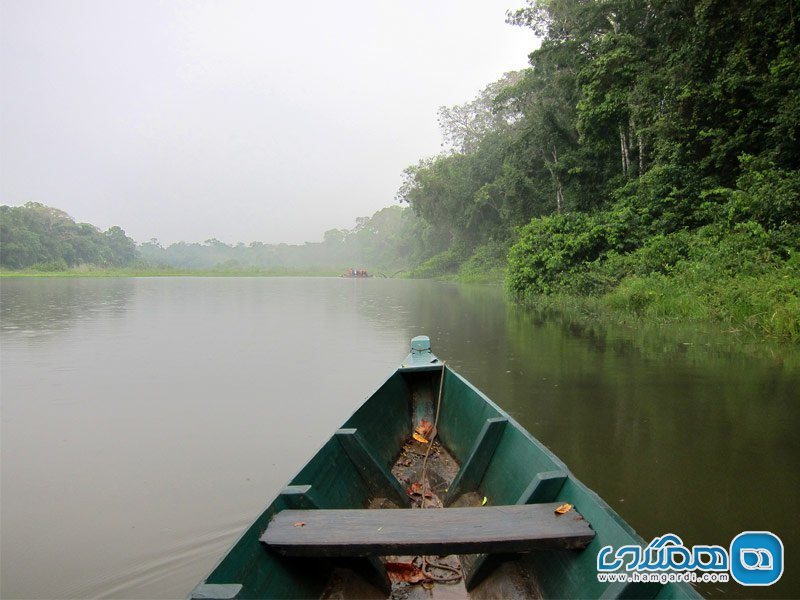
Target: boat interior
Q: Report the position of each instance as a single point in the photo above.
(427, 440)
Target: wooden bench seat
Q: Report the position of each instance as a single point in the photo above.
(438, 531)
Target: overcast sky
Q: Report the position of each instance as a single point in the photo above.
(263, 120)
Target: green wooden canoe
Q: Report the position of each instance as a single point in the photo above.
(480, 460)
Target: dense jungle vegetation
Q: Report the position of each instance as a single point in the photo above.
(44, 239)
(48, 239)
(383, 242)
(648, 158)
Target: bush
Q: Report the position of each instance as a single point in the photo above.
(566, 252)
(487, 263)
(50, 266)
(444, 263)
(766, 194)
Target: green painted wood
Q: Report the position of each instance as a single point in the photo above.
(381, 532)
(336, 480)
(267, 574)
(543, 488)
(516, 462)
(472, 470)
(384, 420)
(370, 568)
(376, 475)
(463, 413)
(384, 423)
(562, 574)
(299, 497)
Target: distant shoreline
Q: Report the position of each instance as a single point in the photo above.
(73, 273)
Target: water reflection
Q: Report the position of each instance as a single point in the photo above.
(162, 414)
(42, 307)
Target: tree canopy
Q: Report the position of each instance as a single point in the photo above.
(39, 235)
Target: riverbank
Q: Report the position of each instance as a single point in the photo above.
(751, 311)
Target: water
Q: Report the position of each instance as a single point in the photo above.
(146, 422)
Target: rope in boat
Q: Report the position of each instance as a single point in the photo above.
(435, 429)
(427, 562)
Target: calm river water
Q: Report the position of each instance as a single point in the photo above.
(146, 422)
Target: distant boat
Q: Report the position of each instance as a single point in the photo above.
(503, 517)
(356, 273)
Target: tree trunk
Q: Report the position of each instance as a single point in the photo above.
(556, 182)
(640, 137)
(623, 143)
(559, 193)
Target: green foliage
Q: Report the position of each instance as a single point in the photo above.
(442, 264)
(47, 239)
(386, 242)
(552, 252)
(648, 157)
(487, 264)
(766, 194)
(768, 304)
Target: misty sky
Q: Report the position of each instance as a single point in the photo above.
(269, 121)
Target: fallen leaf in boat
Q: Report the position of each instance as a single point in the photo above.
(299, 524)
(485, 500)
(419, 438)
(424, 428)
(563, 509)
(415, 489)
(407, 572)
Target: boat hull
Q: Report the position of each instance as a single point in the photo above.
(518, 469)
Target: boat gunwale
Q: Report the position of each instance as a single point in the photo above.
(560, 463)
(275, 497)
(407, 368)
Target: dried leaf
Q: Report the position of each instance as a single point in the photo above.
(425, 428)
(563, 509)
(407, 572)
(299, 523)
(419, 438)
(415, 489)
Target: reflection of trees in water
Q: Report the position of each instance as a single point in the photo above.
(463, 322)
(643, 412)
(703, 342)
(36, 307)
